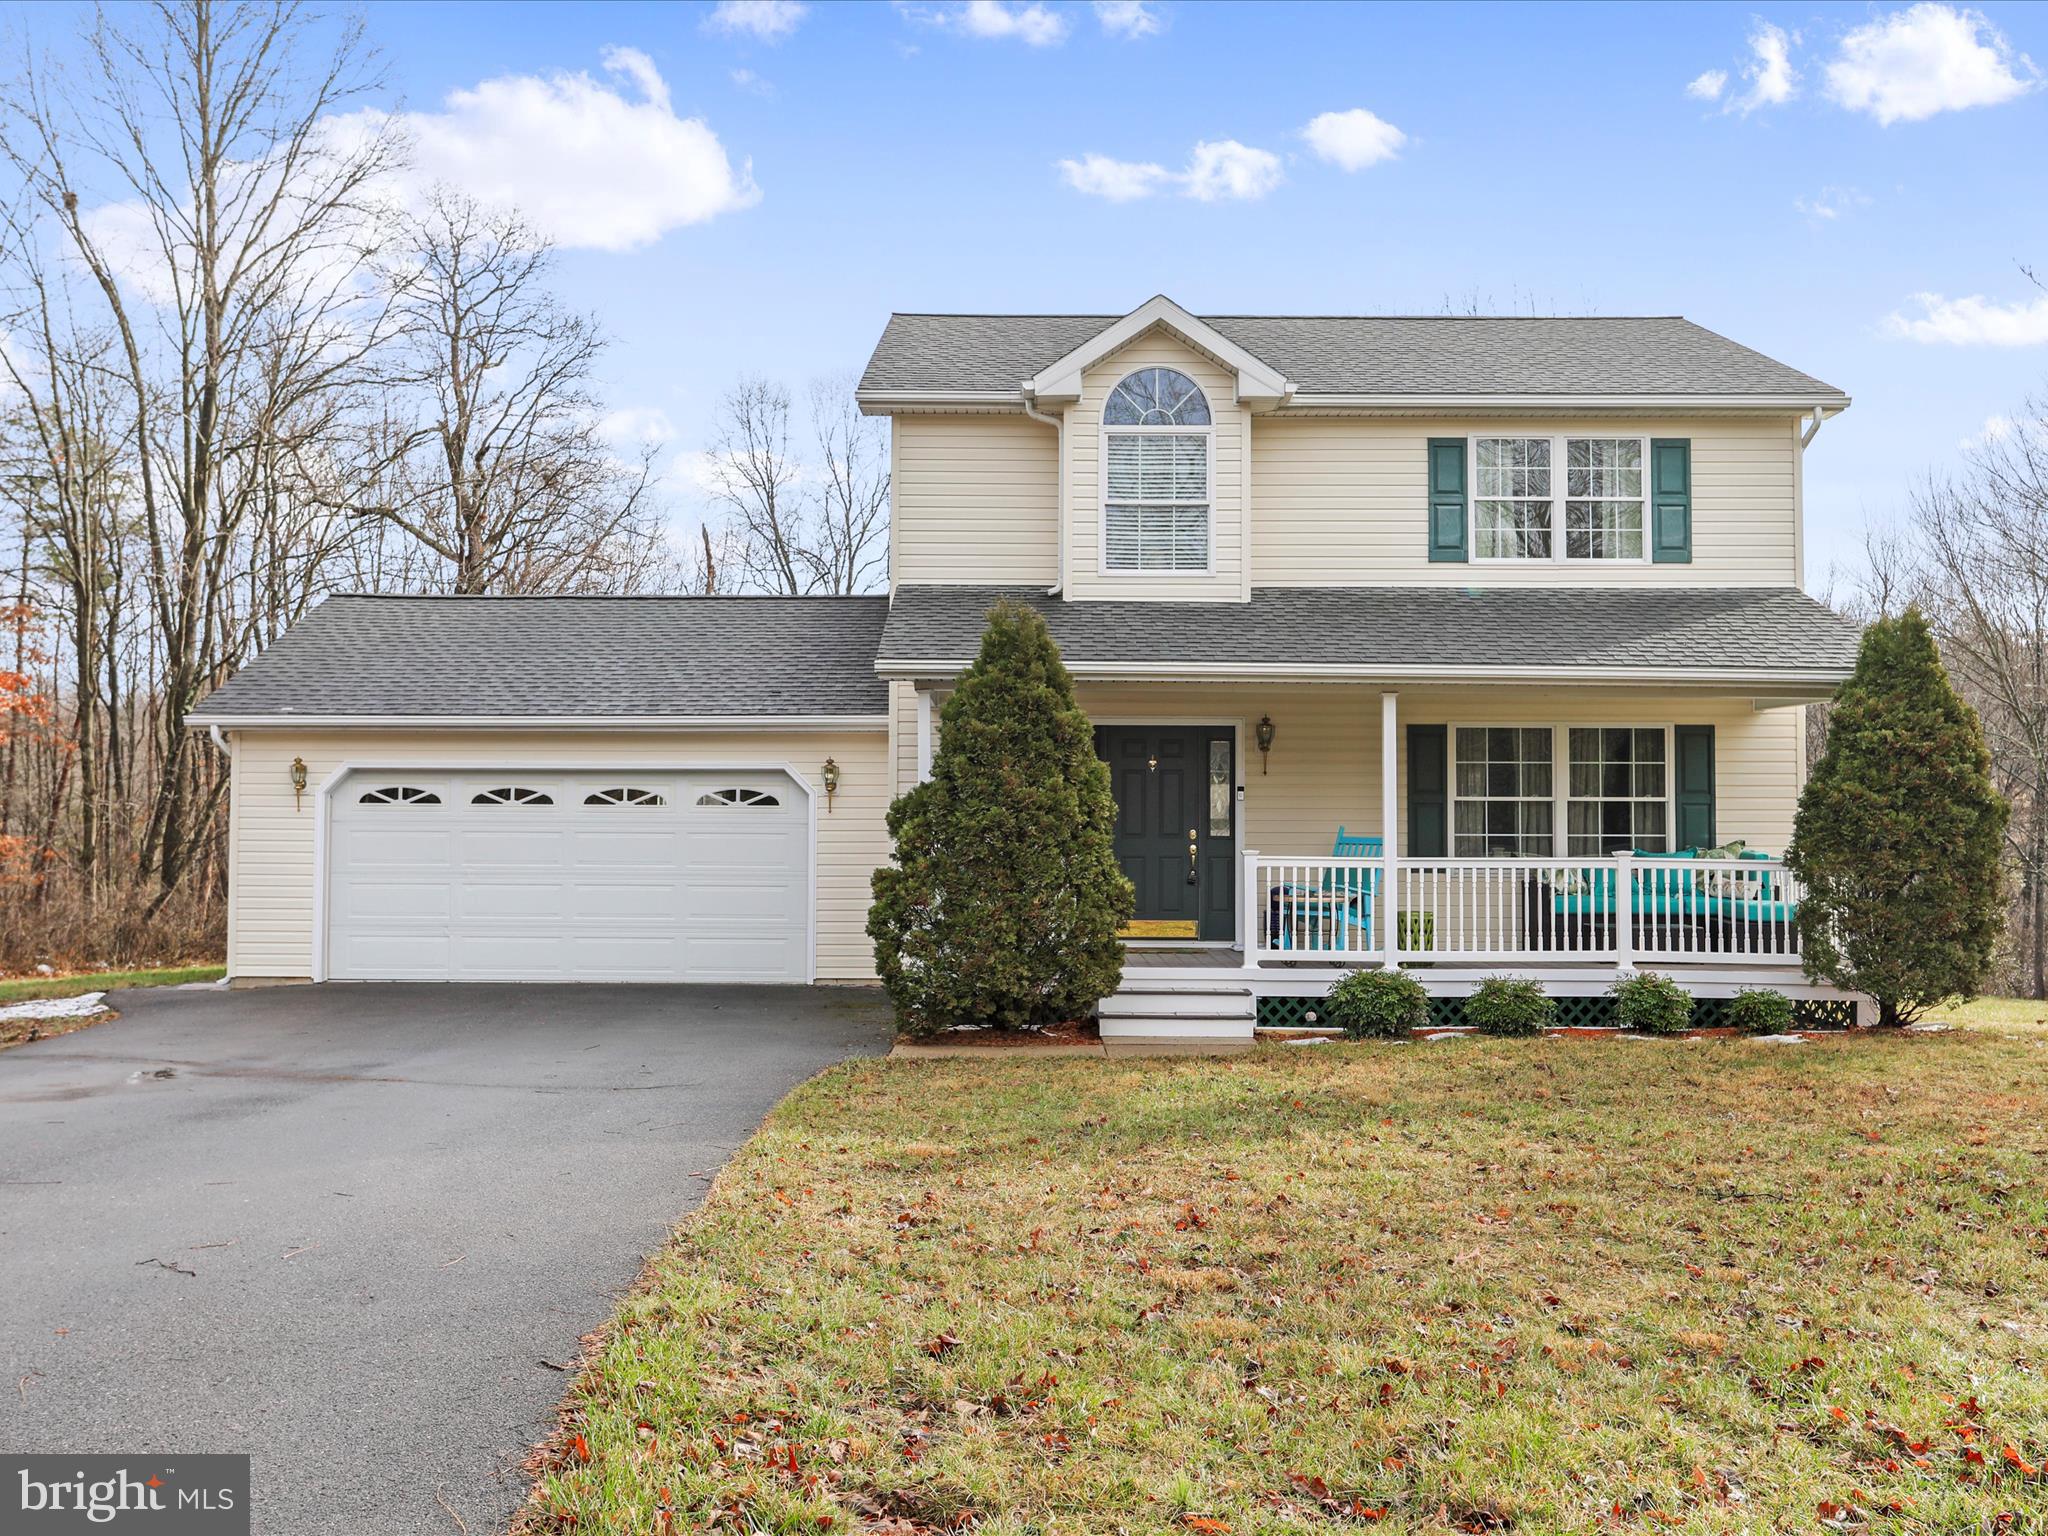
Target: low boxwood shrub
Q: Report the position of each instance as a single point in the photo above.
(1759, 1011)
(1509, 1005)
(1377, 1005)
(1649, 1004)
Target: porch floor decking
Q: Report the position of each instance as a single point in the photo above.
(1207, 957)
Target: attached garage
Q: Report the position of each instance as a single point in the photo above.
(521, 874)
(659, 789)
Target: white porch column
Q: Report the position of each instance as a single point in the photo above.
(1390, 811)
(924, 735)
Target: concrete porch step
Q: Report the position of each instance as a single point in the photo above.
(1183, 1003)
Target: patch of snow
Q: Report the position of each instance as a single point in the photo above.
(1445, 1034)
(1308, 1040)
(1780, 1039)
(83, 1006)
(1929, 1029)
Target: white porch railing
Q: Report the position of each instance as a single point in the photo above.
(1627, 910)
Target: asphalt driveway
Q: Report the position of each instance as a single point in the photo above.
(341, 1227)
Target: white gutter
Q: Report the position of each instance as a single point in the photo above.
(1646, 403)
(881, 401)
(1340, 671)
(545, 722)
(1059, 425)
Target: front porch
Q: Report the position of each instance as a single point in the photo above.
(1576, 906)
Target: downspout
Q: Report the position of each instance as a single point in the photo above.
(1820, 415)
(1059, 425)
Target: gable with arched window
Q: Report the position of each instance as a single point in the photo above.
(1157, 442)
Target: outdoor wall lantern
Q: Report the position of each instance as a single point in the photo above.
(830, 775)
(1263, 734)
(298, 783)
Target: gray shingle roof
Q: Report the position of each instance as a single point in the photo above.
(567, 657)
(1366, 354)
(1760, 630)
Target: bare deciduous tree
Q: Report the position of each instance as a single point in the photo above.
(228, 276)
(1982, 538)
(850, 546)
(754, 476)
(490, 452)
(802, 527)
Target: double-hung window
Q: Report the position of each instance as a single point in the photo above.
(1156, 434)
(1552, 498)
(1507, 801)
(1618, 786)
(1504, 795)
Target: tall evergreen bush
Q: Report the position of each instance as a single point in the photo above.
(1003, 903)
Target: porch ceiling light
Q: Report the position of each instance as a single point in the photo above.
(1262, 733)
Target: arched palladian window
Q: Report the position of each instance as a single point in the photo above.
(1155, 446)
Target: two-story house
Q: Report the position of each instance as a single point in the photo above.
(1466, 644)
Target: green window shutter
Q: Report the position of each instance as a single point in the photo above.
(1447, 498)
(1671, 500)
(1693, 746)
(1428, 749)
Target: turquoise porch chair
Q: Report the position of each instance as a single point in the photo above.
(1345, 899)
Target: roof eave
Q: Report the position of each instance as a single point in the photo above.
(1408, 403)
(393, 722)
(884, 402)
(1738, 679)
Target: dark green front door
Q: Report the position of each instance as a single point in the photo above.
(1176, 826)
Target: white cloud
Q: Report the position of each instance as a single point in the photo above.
(1707, 85)
(1227, 169)
(767, 21)
(1353, 139)
(637, 426)
(1120, 181)
(1996, 429)
(1130, 19)
(1973, 321)
(588, 165)
(747, 80)
(1217, 170)
(1772, 79)
(1030, 24)
(1928, 58)
(1830, 203)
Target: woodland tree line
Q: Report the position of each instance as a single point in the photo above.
(244, 363)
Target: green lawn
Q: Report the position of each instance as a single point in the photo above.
(26, 988)
(1539, 1286)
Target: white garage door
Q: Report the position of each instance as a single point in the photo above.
(508, 875)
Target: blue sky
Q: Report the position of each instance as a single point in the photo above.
(1548, 158)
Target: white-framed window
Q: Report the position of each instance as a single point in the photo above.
(1156, 441)
(1503, 792)
(1575, 497)
(1618, 789)
(1508, 802)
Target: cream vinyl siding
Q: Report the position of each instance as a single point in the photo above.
(975, 501)
(1224, 581)
(1341, 501)
(271, 854)
(1324, 770)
